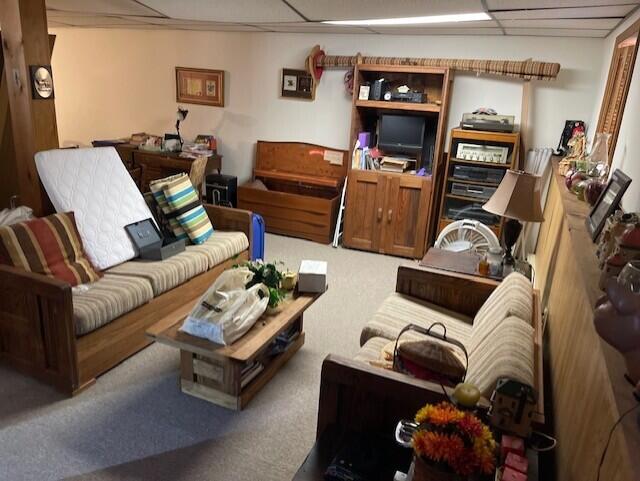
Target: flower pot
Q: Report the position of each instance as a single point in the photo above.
(425, 471)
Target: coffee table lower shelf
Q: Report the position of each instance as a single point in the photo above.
(230, 376)
(194, 379)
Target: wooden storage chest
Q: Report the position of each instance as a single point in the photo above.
(299, 189)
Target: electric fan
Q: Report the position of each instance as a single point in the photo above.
(467, 236)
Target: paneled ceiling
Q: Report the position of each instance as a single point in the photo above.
(561, 18)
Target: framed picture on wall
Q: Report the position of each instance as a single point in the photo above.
(297, 84)
(200, 86)
(607, 203)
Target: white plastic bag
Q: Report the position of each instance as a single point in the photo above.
(228, 309)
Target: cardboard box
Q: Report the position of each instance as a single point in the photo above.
(149, 242)
(312, 276)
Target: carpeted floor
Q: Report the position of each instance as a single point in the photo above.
(136, 424)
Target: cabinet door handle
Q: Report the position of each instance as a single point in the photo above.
(389, 215)
(379, 214)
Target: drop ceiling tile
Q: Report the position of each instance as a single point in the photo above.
(239, 11)
(436, 31)
(618, 11)
(588, 23)
(106, 7)
(557, 32)
(310, 27)
(53, 24)
(227, 27)
(93, 20)
(365, 9)
(533, 4)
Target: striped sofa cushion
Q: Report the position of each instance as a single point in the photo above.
(398, 310)
(508, 352)
(157, 189)
(50, 246)
(97, 304)
(167, 274)
(185, 202)
(221, 246)
(513, 297)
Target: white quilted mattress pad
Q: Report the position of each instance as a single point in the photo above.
(95, 185)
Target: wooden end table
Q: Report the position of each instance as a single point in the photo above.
(213, 372)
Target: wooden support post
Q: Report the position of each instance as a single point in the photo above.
(25, 42)
(525, 131)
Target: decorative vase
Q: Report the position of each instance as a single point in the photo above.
(425, 471)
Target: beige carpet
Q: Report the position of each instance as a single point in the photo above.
(136, 424)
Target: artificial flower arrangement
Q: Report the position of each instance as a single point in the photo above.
(453, 441)
(269, 275)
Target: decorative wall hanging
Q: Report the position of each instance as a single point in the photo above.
(200, 86)
(529, 69)
(41, 82)
(298, 84)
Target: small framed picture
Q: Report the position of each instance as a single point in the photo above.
(200, 86)
(364, 92)
(297, 84)
(607, 203)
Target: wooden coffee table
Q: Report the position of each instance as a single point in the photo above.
(214, 372)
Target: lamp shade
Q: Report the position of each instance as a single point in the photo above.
(517, 197)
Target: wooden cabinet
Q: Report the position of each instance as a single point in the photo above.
(387, 213)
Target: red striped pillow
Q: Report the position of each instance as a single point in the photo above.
(50, 246)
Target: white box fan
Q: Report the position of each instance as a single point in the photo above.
(467, 236)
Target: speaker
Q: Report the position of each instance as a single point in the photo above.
(222, 190)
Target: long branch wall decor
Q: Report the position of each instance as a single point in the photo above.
(528, 69)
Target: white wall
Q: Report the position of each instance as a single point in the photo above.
(626, 157)
(110, 83)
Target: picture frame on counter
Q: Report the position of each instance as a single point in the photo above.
(200, 86)
(297, 84)
(607, 203)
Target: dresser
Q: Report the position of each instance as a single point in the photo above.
(146, 166)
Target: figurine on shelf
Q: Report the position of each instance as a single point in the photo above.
(614, 228)
(577, 147)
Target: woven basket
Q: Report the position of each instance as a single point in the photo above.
(424, 471)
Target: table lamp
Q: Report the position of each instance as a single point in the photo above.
(518, 199)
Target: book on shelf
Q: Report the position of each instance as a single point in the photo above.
(249, 372)
(394, 164)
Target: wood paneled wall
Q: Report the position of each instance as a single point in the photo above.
(589, 390)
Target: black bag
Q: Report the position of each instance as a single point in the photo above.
(570, 129)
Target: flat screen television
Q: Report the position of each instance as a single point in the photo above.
(403, 134)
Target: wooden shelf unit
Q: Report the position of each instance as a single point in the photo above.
(394, 213)
(509, 140)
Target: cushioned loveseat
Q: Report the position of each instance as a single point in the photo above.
(67, 336)
(498, 323)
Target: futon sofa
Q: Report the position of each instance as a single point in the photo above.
(498, 323)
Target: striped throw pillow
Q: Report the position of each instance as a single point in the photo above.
(50, 246)
(183, 199)
(157, 189)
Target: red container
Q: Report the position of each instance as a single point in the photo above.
(513, 475)
(517, 462)
(511, 444)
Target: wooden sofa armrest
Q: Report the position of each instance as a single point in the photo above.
(230, 219)
(37, 334)
(460, 293)
(356, 396)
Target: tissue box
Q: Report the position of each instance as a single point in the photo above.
(517, 462)
(312, 276)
